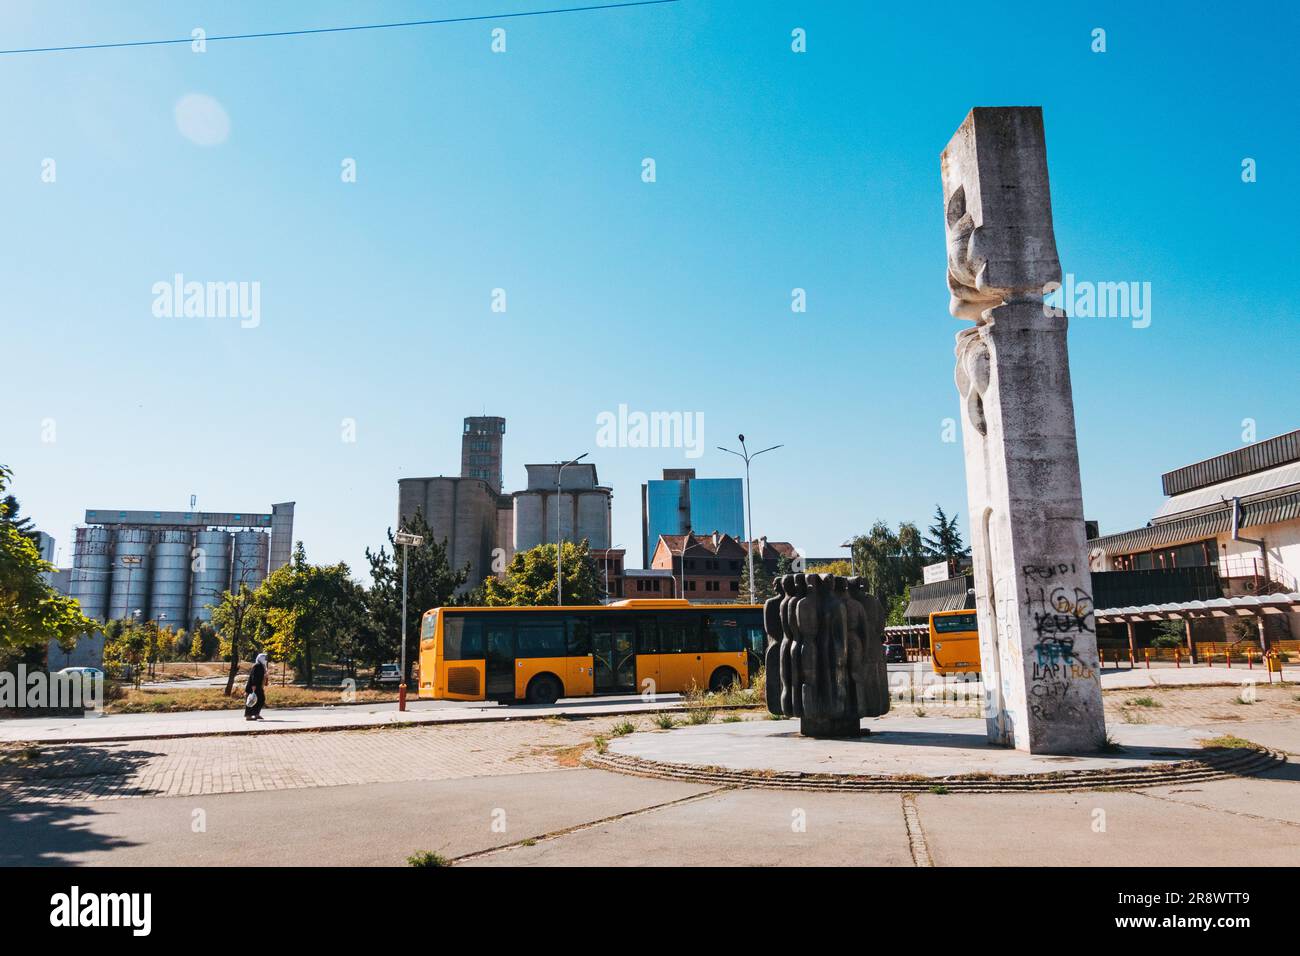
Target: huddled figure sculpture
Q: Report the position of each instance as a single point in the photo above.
(825, 660)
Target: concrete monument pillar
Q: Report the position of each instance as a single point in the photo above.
(1038, 642)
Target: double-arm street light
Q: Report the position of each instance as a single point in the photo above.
(406, 541)
(559, 530)
(749, 503)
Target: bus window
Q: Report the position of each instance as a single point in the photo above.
(722, 634)
(751, 623)
(579, 636)
(647, 636)
(462, 639)
(954, 623)
(679, 634)
(540, 639)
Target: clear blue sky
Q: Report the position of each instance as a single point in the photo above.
(522, 171)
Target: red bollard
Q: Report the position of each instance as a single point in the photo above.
(1227, 656)
(1146, 652)
(1178, 659)
(1250, 661)
(401, 696)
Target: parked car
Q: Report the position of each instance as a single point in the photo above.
(388, 675)
(83, 671)
(895, 654)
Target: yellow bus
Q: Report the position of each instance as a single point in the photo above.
(954, 642)
(539, 654)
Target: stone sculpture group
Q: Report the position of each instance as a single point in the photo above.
(825, 657)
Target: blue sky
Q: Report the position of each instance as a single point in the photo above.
(522, 171)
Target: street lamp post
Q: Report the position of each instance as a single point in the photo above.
(559, 531)
(405, 540)
(749, 506)
(615, 548)
(130, 562)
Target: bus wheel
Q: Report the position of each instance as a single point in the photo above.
(723, 678)
(543, 689)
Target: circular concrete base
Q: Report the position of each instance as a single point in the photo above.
(916, 753)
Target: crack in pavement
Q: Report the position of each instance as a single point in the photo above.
(915, 835)
(1206, 806)
(578, 827)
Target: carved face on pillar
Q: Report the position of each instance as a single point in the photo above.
(965, 262)
(997, 211)
(973, 372)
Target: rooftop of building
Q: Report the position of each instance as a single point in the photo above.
(722, 544)
(1264, 476)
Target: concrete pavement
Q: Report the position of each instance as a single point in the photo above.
(122, 727)
(592, 818)
(902, 677)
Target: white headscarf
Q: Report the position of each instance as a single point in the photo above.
(262, 659)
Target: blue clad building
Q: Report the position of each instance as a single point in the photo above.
(680, 503)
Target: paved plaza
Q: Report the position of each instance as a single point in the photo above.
(514, 793)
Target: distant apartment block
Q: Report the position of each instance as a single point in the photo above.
(680, 503)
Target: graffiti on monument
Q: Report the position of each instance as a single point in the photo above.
(1059, 613)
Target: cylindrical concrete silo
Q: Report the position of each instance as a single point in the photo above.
(92, 569)
(130, 589)
(530, 520)
(170, 592)
(593, 517)
(248, 566)
(211, 572)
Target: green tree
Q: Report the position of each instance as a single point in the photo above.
(305, 608)
(11, 514)
(841, 568)
(230, 620)
(530, 578)
(897, 605)
(762, 579)
(944, 539)
(889, 561)
(31, 612)
(126, 646)
(431, 582)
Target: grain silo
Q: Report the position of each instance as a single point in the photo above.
(130, 588)
(169, 596)
(92, 571)
(248, 565)
(211, 572)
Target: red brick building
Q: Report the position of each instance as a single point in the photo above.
(708, 567)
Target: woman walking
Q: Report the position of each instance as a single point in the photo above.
(256, 689)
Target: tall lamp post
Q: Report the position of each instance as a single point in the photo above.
(749, 505)
(607, 550)
(406, 541)
(130, 562)
(559, 530)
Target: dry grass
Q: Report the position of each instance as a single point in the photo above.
(149, 700)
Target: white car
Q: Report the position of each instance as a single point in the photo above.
(83, 671)
(387, 674)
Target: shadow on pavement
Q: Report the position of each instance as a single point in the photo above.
(44, 819)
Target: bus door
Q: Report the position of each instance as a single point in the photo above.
(500, 680)
(613, 650)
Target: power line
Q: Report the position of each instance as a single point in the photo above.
(352, 29)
